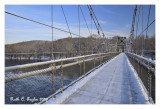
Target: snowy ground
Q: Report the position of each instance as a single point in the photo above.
(116, 82)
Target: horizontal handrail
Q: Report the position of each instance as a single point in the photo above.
(36, 72)
(149, 64)
(49, 62)
(33, 53)
(145, 50)
(143, 58)
(45, 53)
(65, 87)
(52, 67)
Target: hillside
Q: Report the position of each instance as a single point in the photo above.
(61, 45)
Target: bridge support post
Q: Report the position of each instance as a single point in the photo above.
(138, 69)
(100, 59)
(16, 57)
(149, 80)
(84, 65)
(20, 57)
(79, 66)
(150, 85)
(141, 71)
(61, 77)
(92, 62)
(53, 72)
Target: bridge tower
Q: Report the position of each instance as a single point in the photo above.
(121, 44)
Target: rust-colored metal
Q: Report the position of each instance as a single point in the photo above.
(80, 67)
(84, 65)
(53, 71)
(62, 77)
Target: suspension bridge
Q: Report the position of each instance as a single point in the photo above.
(111, 73)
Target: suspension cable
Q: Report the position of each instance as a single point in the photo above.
(133, 22)
(142, 31)
(79, 31)
(99, 26)
(40, 23)
(84, 18)
(132, 28)
(147, 27)
(91, 26)
(71, 50)
(96, 19)
(137, 26)
(90, 10)
(66, 20)
(135, 39)
(148, 21)
(138, 21)
(52, 29)
(93, 18)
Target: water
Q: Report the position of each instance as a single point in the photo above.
(33, 89)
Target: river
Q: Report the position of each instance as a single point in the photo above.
(33, 89)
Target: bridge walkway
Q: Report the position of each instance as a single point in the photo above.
(111, 85)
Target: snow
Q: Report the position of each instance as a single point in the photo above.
(69, 91)
(117, 86)
(147, 59)
(139, 92)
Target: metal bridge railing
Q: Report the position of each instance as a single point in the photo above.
(149, 64)
(46, 55)
(146, 71)
(36, 81)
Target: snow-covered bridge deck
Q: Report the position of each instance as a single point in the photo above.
(115, 82)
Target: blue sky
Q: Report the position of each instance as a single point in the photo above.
(114, 20)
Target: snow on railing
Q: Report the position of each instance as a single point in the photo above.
(38, 71)
(147, 75)
(48, 62)
(18, 72)
(141, 57)
(147, 63)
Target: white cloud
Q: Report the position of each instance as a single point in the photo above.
(102, 21)
(45, 32)
(127, 25)
(115, 33)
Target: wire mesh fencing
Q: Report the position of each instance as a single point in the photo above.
(35, 82)
(146, 72)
